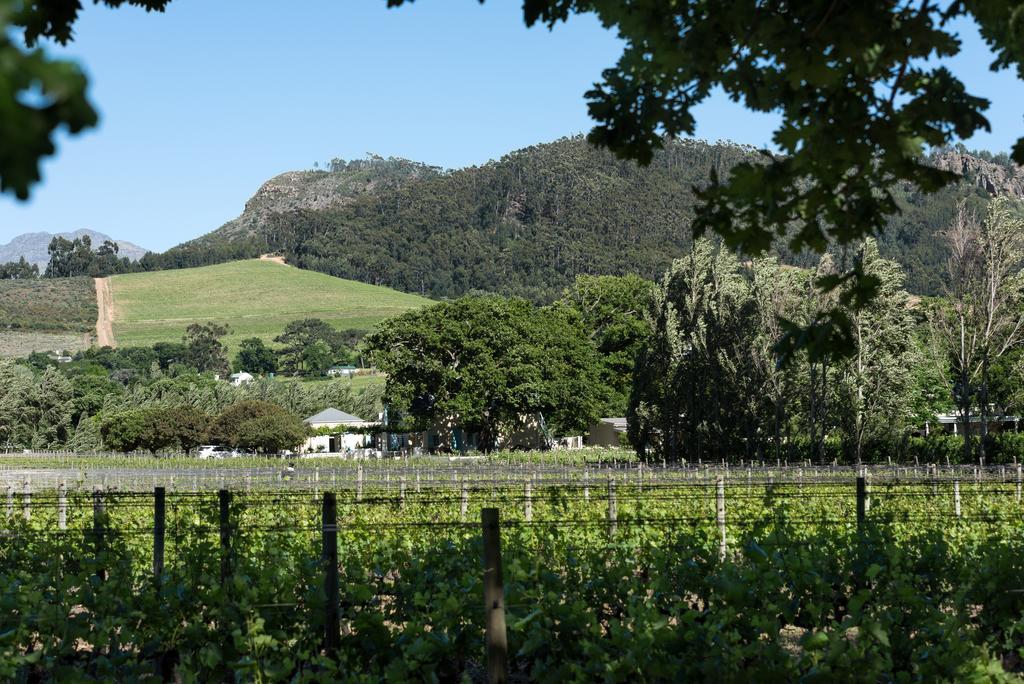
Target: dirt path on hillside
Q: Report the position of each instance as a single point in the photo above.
(275, 259)
(105, 313)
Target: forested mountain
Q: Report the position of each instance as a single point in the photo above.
(530, 222)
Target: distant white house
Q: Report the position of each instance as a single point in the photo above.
(336, 371)
(338, 442)
(242, 378)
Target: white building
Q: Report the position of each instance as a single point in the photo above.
(337, 442)
(242, 378)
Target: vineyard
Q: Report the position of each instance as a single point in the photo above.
(597, 572)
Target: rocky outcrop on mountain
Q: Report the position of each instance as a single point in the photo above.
(996, 177)
(33, 246)
(320, 190)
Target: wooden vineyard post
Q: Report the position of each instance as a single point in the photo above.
(224, 496)
(1018, 482)
(613, 507)
(98, 523)
(528, 494)
(62, 506)
(10, 501)
(956, 498)
(26, 500)
(861, 501)
(401, 491)
(586, 485)
(494, 599)
(159, 528)
(359, 483)
(464, 510)
(332, 614)
(720, 515)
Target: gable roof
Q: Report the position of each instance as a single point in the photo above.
(333, 415)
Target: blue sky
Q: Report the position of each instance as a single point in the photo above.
(201, 105)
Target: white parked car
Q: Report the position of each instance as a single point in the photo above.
(213, 451)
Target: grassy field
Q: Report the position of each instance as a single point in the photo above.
(256, 298)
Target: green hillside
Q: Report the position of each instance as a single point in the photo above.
(46, 314)
(45, 304)
(256, 298)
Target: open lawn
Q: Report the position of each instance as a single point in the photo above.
(256, 298)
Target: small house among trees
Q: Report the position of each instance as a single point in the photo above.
(240, 378)
(334, 433)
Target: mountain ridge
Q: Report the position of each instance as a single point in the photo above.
(33, 246)
(528, 223)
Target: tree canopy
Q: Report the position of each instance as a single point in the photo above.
(614, 311)
(489, 362)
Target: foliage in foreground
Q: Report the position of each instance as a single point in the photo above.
(802, 593)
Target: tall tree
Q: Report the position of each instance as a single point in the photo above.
(614, 312)
(299, 337)
(1001, 243)
(983, 319)
(775, 290)
(686, 400)
(958, 322)
(255, 356)
(203, 348)
(876, 381)
(489, 362)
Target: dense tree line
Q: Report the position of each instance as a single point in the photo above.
(70, 258)
(252, 425)
(18, 270)
(696, 357)
(707, 385)
(156, 398)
